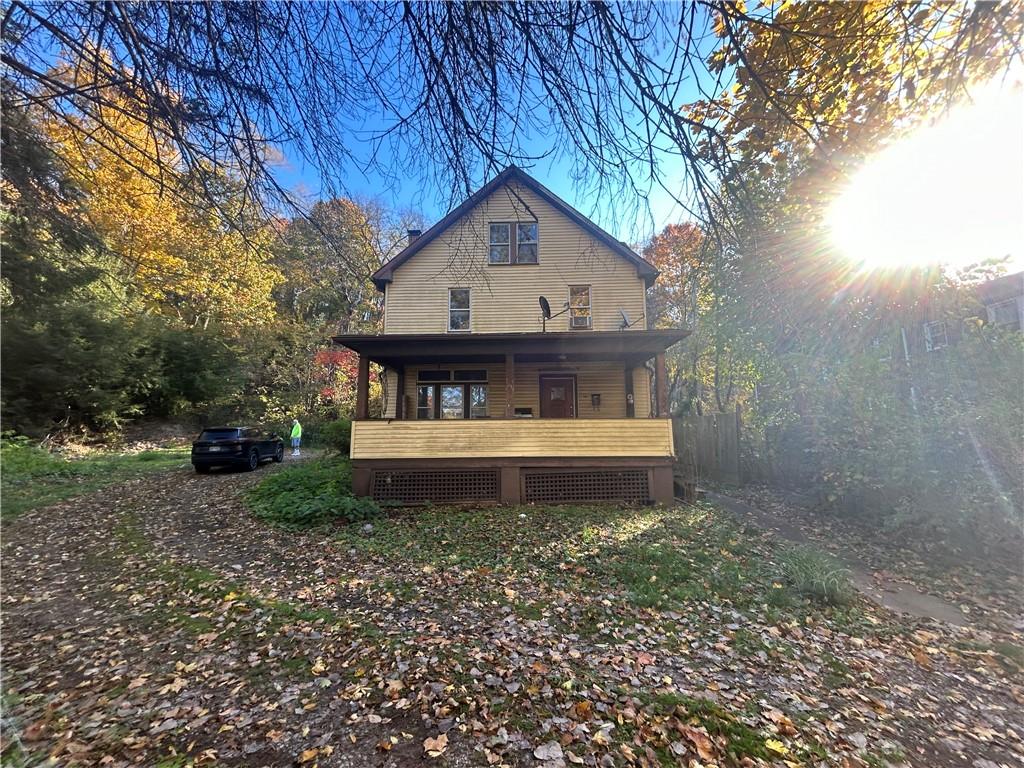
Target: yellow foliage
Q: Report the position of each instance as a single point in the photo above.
(173, 253)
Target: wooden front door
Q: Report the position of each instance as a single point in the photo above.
(557, 397)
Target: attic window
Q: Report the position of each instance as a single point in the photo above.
(500, 244)
(526, 243)
(513, 243)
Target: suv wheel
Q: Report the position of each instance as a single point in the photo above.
(254, 459)
(279, 453)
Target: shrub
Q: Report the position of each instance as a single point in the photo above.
(337, 436)
(310, 494)
(24, 461)
(817, 575)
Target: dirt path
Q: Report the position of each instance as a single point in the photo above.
(158, 620)
(898, 596)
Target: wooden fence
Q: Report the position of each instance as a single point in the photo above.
(708, 447)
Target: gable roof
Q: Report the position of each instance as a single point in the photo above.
(644, 269)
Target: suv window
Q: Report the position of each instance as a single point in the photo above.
(254, 433)
(219, 434)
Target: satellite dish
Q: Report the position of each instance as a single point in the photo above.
(626, 322)
(545, 307)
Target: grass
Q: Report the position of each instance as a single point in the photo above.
(652, 558)
(817, 575)
(33, 477)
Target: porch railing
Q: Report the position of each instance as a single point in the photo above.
(500, 438)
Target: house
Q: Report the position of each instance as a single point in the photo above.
(489, 400)
(1003, 300)
(998, 302)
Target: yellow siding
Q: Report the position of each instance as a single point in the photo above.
(519, 438)
(504, 297)
(390, 390)
(606, 379)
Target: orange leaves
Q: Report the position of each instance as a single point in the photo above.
(700, 740)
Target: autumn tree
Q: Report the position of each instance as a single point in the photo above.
(468, 88)
(171, 249)
(328, 257)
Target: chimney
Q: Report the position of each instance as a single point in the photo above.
(413, 234)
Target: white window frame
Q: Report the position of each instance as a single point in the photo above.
(992, 309)
(590, 309)
(468, 310)
(507, 244)
(931, 342)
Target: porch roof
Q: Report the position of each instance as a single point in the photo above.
(399, 349)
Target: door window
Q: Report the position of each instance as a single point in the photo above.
(452, 402)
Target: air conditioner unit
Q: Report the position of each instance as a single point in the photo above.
(580, 321)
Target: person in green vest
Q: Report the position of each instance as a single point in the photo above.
(296, 437)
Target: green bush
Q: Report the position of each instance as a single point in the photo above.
(310, 494)
(24, 461)
(817, 575)
(337, 436)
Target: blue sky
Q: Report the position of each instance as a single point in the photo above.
(406, 192)
(628, 217)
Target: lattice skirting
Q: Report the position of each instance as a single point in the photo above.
(541, 481)
(562, 486)
(438, 486)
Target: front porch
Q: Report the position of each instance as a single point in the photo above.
(515, 418)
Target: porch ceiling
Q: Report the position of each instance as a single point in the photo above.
(400, 349)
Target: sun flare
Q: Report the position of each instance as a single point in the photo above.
(950, 194)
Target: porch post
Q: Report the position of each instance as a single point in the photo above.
(510, 385)
(400, 393)
(661, 384)
(363, 388)
(630, 400)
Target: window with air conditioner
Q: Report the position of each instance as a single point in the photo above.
(579, 307)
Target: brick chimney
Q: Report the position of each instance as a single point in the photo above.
(413, 234)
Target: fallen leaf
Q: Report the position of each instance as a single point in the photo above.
(435, 747)
(550, 751)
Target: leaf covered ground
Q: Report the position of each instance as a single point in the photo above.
(160, 623)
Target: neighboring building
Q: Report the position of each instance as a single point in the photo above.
(485, 399)
(998, 302)
(1003, 299)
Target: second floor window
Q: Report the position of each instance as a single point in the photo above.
(579, 306)
(513, 243)
(458, 309)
